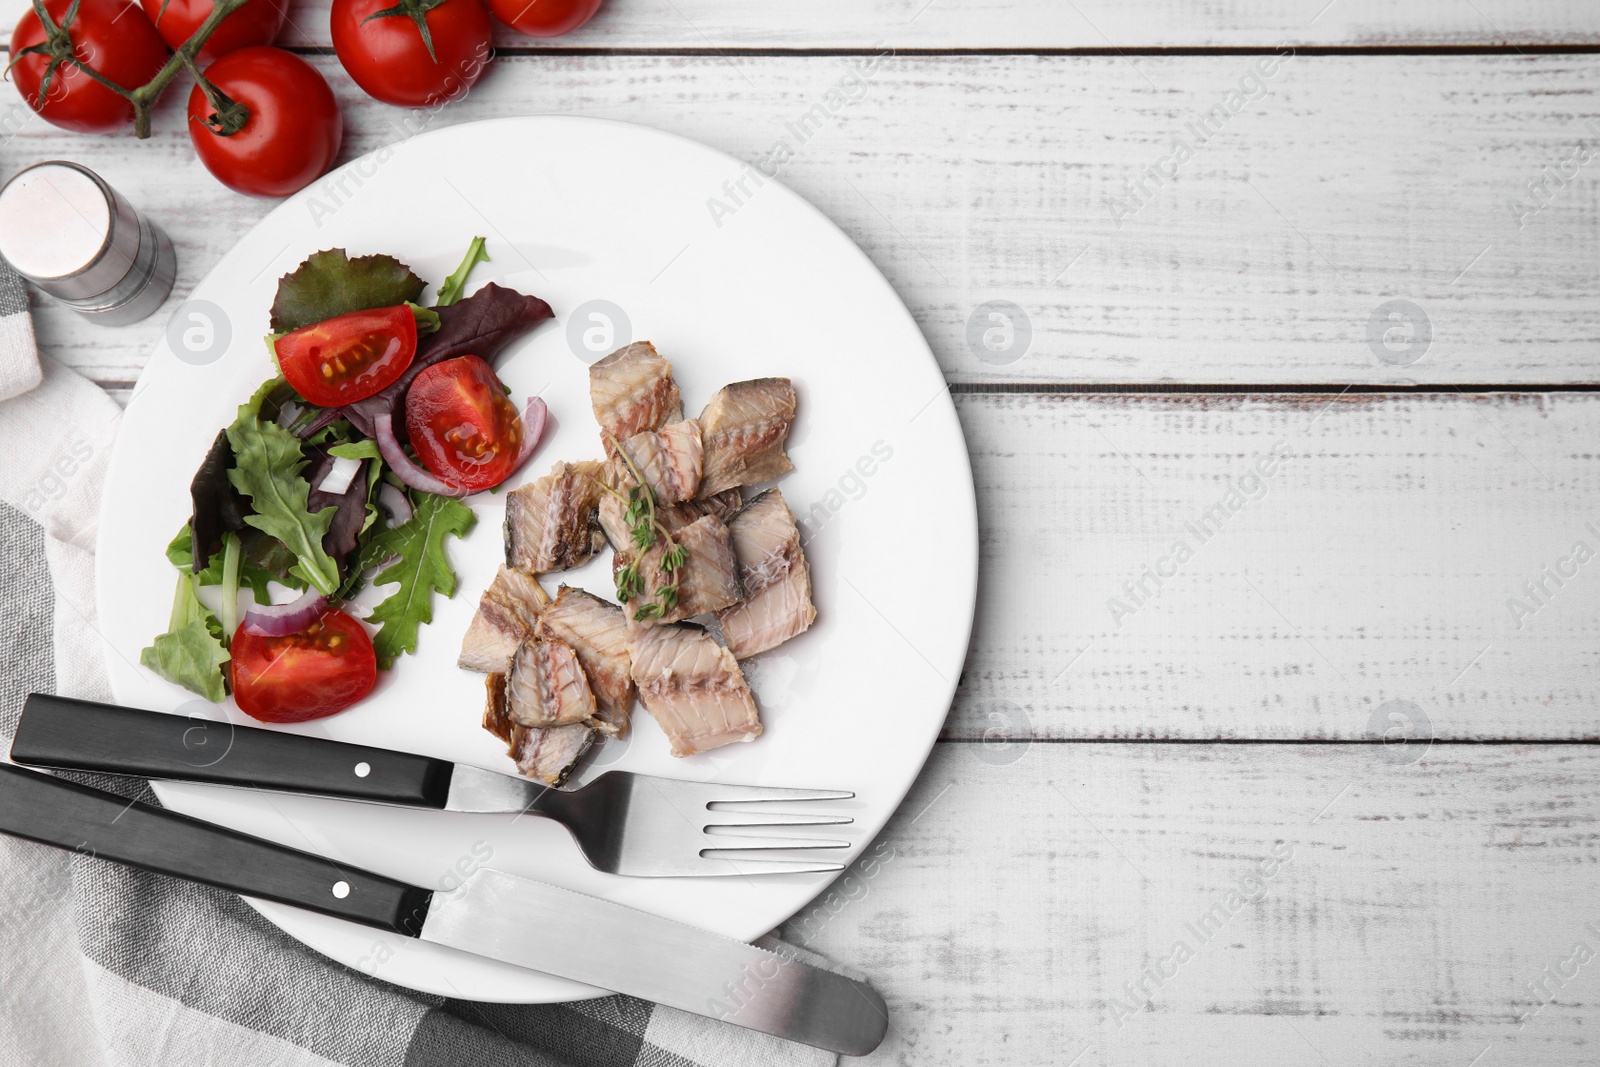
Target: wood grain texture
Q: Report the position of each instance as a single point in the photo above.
(1351, 182)
(1097, 24)
(1009, 907)
(1379, 561)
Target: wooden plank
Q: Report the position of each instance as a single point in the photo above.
(1395, 552)
(1009, 909)
(1271, 259)
(1048, 24)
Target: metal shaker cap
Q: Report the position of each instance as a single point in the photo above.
(64, 229)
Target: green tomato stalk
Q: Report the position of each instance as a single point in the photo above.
(229, 116)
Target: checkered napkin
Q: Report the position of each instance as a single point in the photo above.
(104, 966)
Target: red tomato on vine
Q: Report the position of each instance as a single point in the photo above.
(111, 37)
(256, 23)
(417, 53)
(277, 128)
(544, 18)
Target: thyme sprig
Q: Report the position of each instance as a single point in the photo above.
(645, 529)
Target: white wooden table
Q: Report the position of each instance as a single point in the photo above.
(1125, 772)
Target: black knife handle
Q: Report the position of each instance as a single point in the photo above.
(47, 809)
(80, 735)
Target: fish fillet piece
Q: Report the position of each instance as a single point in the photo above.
(495, 719)
(612, 522)
(632, 391)
(694, 688)
(547, 754)
(506, 615)
(546, 685)
(777, 583)
(744, 429)
(708, 580)
(668, 458)
(551, 523)
(674, 518)
(597, 633)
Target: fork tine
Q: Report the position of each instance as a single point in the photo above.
(786, 818)
(742, 794)
(720, 866)
(740, 843)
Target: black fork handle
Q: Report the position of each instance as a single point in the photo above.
(44, 808)
(64, 733)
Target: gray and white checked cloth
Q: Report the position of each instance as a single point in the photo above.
(103, 966)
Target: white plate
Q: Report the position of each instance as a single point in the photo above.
(578, 210)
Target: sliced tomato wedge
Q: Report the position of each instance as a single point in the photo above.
(324, 668)
(462, 426)
(345, 359)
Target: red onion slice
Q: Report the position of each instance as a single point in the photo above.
(534, 418)
(281, 620)
(405, 468)
(396, 503)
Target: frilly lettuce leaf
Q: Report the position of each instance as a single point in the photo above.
(330, 283)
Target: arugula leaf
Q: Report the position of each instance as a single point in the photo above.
(422, 568)
(190, 653)
(329, 283)
(456, 284)
(267, 466)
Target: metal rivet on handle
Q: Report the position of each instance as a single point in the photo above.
(363, 769)
(341, 889)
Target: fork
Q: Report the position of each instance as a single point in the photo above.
(630, 824)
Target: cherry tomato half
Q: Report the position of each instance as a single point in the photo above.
(349, 358)
(461, 425)
(387, 57)
(256, 23)
(544, 18)
(307, 675)
(114, 38)
(292, 131)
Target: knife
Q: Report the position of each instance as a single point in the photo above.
(502, 916)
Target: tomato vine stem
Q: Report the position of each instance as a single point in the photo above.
(229, 117)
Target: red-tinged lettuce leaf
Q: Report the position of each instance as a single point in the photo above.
(218, 507)
(483, 325)
(329, 283)
(350, 518)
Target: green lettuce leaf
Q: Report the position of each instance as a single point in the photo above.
(190, 653)
(366, 448)
(329, 283)
(264, 560)
(267, 465)
(422, 568)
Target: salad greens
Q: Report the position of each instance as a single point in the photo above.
(454, 285)
(267, 465)
(191, 652)
(258, 512)
(419, 567)
(329, 284)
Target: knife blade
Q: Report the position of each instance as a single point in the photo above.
(495, 914)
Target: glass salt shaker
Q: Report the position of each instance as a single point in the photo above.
(72, 235)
